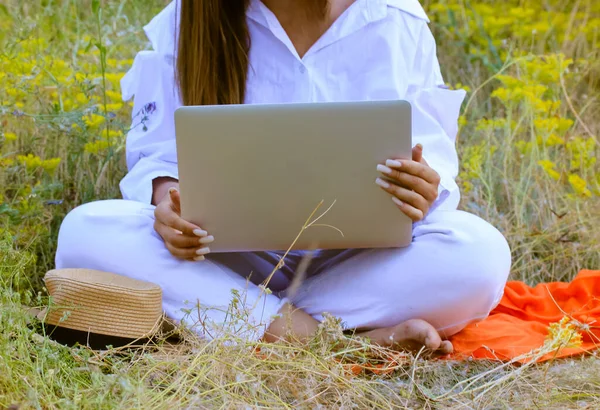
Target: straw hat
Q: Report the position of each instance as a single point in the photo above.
(102, 303)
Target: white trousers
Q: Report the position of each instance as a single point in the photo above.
(452, 274)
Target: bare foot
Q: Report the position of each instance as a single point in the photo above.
(411, 335)
(293, 325)
(297, 326)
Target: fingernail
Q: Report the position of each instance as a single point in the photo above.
(419, 146)
(200, 232)
(172, 189)
(382, 183)
(199, 258)
(397, 201)
(384, 170)
(207, 239)
(392, 163)
(203, 251)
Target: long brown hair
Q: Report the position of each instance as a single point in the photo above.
(213, 49)
(212, 55)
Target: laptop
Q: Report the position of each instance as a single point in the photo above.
(293, 176)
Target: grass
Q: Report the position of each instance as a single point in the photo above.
(528, 145)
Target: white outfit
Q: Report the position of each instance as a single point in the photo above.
(454, 271)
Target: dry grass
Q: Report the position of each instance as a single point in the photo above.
(528, 143)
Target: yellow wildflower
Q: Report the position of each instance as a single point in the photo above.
(564, 124)
(579, 185)
(82, 99)
(549, 166)
(94, 120)
(533, 92)
(112, 134)
(521, 13)
(50, 165)
(6, 162)
(68, 104)
(542, 106)
(495, 123)
(30, 161)
(563, 334)
(582, 152)
(13, 92)
(114, 78)
(538, 27)
(554, 124)
(33, 162)
(80, 77)
(113, 95)
(524, 147)
(98, 146)
(112, 107)
(509, 81)
(65, 80)
(33, 45)
(10, 136)
(554, 139)
(467, 186)
(500, 93)
(460, 86)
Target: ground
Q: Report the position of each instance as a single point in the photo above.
(528, 144)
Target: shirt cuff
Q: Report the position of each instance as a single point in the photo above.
(448, 194)
(137, 184)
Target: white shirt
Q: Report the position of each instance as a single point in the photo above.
(376, 50)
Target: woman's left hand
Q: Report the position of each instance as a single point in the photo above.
(413, 184)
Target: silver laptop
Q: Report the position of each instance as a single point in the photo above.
(300, 176)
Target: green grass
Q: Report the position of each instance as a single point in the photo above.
(529, 174)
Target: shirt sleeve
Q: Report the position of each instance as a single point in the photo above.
(151, 149)
(435, 111)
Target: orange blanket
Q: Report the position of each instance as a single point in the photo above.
(521, 323)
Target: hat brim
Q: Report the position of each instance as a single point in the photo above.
(101, 303)
(71, 337)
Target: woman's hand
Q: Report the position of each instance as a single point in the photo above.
(183, 239)
(412, 184)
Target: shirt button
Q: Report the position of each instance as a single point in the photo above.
(302, 69)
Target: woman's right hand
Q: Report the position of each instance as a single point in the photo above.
(183, 239)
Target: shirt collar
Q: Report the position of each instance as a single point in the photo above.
(358, 15)
(372, 10)
(412, 7)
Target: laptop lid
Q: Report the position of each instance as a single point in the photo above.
(266, 177)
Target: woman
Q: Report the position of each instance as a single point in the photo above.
(280, 51)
